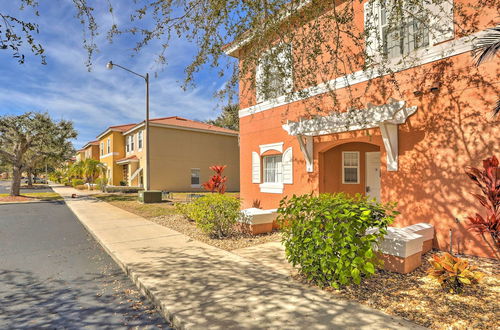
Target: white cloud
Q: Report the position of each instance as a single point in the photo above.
(100, 98)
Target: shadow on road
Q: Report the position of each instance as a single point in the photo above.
(29, 302)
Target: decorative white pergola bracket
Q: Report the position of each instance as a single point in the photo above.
(387, 117)
(306, 146)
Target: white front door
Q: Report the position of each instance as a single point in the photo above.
(372, 188)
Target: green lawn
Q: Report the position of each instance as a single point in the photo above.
(43, 196)
(129, 203)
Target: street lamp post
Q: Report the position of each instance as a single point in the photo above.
(110, 66)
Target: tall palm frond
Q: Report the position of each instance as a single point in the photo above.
(486, 47)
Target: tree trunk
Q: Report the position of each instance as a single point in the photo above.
(15, 188)
(30, 178)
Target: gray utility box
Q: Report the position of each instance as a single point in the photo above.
(150, 196)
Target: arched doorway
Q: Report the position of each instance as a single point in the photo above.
(351, 168)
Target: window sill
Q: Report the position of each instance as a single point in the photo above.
(196, 186)
(271, 187)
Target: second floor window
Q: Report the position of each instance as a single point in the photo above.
(139, 140)
(131, 137)
(109, 146)
(102, 148)
(403, 33)
(274, 76)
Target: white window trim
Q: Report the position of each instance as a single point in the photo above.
(108, 147)
(140, 146)
(357, 167)
(199, 177)
(102, 149)
(272, 187)
(264, 168)
(289, 83)
(278, 146)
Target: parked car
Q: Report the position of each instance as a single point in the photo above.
(39, 180)
(35, 180)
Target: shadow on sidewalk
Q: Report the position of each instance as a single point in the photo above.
(225, 292)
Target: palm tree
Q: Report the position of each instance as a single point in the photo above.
(486, 47)
(92, 169)
(76, 170)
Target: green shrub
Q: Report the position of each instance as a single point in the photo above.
(326, 236)
(77, 182)
(215, 214)
(123, 183)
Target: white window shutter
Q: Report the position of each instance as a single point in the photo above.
(441, 20)
(372, 26)
(255, 167)
(287, 163)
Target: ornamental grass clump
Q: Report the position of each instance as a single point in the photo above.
(327, 236)
(453, 273)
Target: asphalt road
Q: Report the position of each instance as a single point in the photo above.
(5, 188)
(53, 274)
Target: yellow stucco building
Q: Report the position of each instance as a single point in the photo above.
(182, 151)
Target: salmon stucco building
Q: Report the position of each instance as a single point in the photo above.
(408, 143)
(181, 153)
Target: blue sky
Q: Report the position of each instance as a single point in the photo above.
(100, 98)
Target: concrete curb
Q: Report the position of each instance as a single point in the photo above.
(175, 321)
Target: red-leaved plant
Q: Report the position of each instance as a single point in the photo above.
(217, 183)
(488, 180)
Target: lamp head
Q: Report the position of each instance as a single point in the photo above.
(109, 65)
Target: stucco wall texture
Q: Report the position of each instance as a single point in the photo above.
(451, 129)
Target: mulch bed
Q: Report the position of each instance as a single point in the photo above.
(420, 299)
(240, 240)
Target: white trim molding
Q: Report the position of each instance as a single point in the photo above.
(393, 112)
(136, 173)
(271, 187)
(182, 128)
(419, 57)
(278, 146)
(307, 147)
(126, 161)
(110, 154)
(387, 117)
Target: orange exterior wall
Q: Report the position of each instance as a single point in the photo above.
(330, 168)
(451, 129)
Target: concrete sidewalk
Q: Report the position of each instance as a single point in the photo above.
(198, 286)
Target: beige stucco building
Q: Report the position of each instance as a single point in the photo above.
(181, 153)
